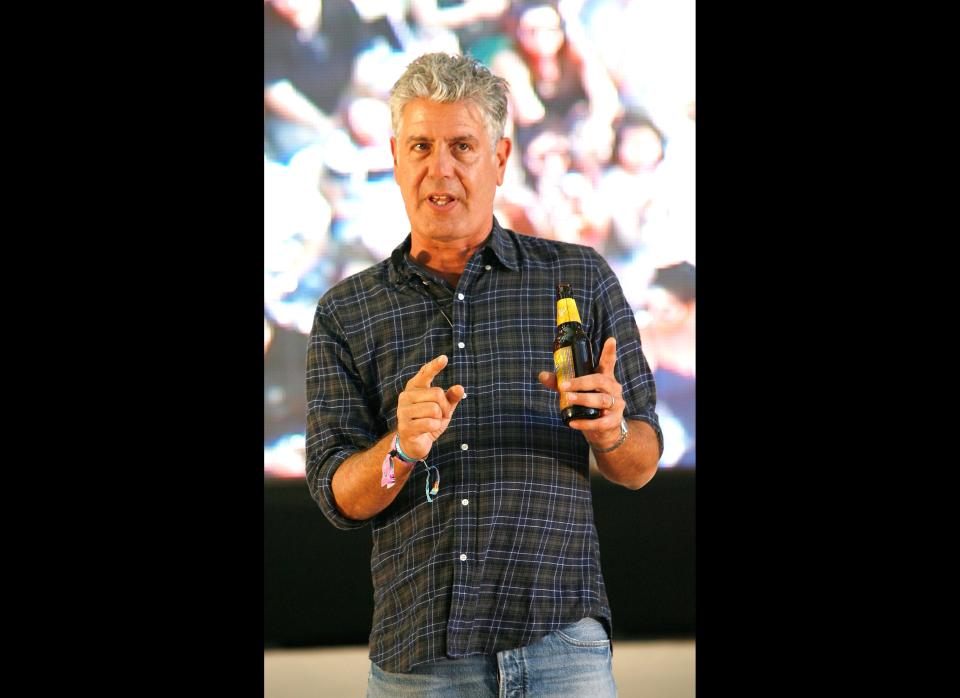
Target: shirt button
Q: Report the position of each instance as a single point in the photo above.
(488, 267)
(463, 447)
(460, 296)
(463, 557)
(464, 502)
(461, 345)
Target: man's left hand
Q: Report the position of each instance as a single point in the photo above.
(600, 390)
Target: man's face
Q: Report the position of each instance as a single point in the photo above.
(447, 172)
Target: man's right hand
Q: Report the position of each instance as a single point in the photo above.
(424, 412)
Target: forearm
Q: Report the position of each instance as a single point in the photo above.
(508, 65)
(356, 483)
(634, 463)
(600, 88)
(423, 414)
(285, 100)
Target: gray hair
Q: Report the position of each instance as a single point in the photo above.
(452, 78)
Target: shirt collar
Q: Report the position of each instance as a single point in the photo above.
(501, 246)
(498, 247)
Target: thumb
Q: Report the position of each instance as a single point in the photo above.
(454, 395)
(548, 380)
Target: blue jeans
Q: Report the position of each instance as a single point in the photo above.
(574, 661)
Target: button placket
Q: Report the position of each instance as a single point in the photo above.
(466, 518)
(464, 376)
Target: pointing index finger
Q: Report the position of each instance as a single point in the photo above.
(428, 372)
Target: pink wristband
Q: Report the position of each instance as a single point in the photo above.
(388, 478)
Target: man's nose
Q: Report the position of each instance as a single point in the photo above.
(440, 163)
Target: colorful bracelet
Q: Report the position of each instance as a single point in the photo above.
(400, 454)
(388, 477)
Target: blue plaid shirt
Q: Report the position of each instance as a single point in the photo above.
(507, 551)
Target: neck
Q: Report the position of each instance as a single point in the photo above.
(445, 259)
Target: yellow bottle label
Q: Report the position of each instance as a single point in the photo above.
(563, 363)
(567, 311)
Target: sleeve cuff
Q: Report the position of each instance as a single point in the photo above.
(652, 421)
(322, 492)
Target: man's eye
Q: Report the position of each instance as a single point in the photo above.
(420, 146)
(463, 147)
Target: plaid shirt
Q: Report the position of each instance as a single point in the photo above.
(507, 551)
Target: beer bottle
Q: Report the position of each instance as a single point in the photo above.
(572, 355)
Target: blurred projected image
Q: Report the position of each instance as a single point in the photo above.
(602, 117)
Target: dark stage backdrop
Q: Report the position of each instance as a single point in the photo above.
(317, 588)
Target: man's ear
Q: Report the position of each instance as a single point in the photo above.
(393, 152)
(502, 153)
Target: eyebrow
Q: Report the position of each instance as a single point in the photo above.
(455, 139)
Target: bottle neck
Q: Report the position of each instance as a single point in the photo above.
(567, 311)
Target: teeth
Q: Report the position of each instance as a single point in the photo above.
(439, 199)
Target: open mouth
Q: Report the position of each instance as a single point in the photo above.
(441, 201)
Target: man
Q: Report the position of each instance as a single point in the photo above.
(426, 420)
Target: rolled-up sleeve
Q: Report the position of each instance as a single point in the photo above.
(612, 316)
(339, 421)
